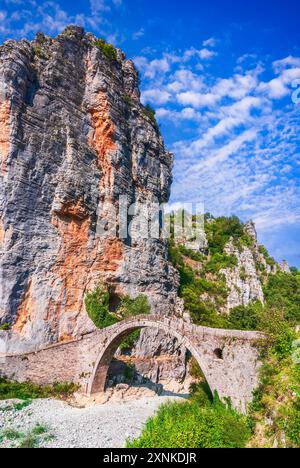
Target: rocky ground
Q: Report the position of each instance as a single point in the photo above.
(57, 424)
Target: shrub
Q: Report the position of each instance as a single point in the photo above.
(270, 261)
(97, 307)
(292, 428)
(245, 317)
(220, 230)
(127, 100)
(131, 307)
(107, 49)
(39, 52)
(12, 434)
(27, 390)
(295, 271)
(220, 261)
(195, 370)
(130, 341)
(192, 254)
(5, 326)
(283, 291)
(187, 425)
(201, 394)
(39, 430)
(150, 113)
(203, 312)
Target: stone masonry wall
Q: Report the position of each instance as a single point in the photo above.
(228, 359)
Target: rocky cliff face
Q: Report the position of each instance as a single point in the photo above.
(73, 138)
(243, 281)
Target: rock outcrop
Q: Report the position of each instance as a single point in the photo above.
(73, 138)
(243, 281)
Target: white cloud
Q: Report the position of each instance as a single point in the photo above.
(282, 64)
(99, 5)
(275, 88)
(187, 113)
(156, 96)
(51, 18)
(138, 34)
(206, 54)
(197, 99)
(153, 67)
(211, 42)
(287, 69)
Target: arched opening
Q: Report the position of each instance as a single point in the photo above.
(99, 379)
(114, 301)
(218, 352)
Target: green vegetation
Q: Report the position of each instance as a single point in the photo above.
(39, 429)
(283, 291)
(220, 261)
(150, 113)
(192, 254)
(39, 52)
(129, 342)
(295, 271)
(31, 439)
(270, 261)
(198, 423)
(27, 390)
(130, 307)
(97, 304)
(282, 295)
(5, 326)
(127, 100)
(275, 410)
(220, 230)
(202, 297)
(274, 415)
(23, 404)
(245, 317)
(107, 49)
(11, 434)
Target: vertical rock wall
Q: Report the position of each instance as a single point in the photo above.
(73, 138)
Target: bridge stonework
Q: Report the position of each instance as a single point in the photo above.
(229, 359)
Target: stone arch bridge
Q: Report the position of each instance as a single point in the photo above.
(229, 359)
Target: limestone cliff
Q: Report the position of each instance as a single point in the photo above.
(231, 271)
(73, 138)
(243, 280)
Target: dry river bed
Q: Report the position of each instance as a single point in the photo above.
(98, 424)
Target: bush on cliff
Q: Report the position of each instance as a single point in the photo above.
(150, 113)
(107, 49)
(220, 230)
(97, 307)
(97, 304)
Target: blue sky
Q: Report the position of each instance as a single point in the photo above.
(220, 76)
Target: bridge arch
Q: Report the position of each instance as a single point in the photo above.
(120, 331)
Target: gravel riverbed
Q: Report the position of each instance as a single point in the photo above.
(99, 426)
